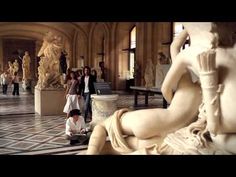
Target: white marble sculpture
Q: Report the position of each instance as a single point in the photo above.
(15, 66)
(11, 68)
(199, 120)
(49, 65)
(137, 125)
(149, 74)
(159, 74)
(26, 66)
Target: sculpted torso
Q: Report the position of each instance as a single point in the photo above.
(225, 64)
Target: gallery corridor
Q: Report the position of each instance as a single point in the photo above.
(21, 130)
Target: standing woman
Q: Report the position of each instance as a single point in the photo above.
(79, 74)
(86, 89)
(71, 94)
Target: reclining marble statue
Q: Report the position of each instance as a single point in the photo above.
(49, 65)
(203, 122)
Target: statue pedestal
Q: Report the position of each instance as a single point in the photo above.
(102, 107)
(49, 101)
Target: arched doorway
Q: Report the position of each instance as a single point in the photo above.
(125, 53)
(99, 48)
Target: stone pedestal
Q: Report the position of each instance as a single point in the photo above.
(49, 101)
(27, 86)
(102, 107)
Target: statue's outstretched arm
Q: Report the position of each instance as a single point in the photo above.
(177, 69)
(177, 44)
(44, 46)
(97, 140)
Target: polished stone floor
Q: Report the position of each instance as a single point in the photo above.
(21, 130)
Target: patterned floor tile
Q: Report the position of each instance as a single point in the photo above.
(46, 146)
(33, 130)
(59, 140)
(18, 136)
(30, 123)
(52, 132)
(4, 133)
(7, 151)
(49, 125)
(23, 145)
(63, 126)
(39, 138)
(3, 126)
(15, 128)
(5, 142)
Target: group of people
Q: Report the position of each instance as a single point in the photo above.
(78, 85)
(7, 80)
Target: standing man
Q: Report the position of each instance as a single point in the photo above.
(86, 89)
(15, 82)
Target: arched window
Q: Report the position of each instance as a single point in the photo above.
(132, 46)
(177, 29)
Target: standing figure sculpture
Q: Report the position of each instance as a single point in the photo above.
(26, 66)
(15, 66)
(149, 74)
(63, 63)
(11, 68)
(159, 74)
(49, 65)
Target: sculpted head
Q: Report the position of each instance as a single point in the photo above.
(202, 34)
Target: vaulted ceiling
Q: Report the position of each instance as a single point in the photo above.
(36, 30)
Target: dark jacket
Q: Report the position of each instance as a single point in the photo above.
(92, 79)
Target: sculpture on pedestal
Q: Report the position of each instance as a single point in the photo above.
(159, 74)
(26, 66)
(15, 66)
(149, 74)
(26, 71)
(49, 65)
(201, 115)
(11, 68)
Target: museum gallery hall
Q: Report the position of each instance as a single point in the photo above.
(75, 88)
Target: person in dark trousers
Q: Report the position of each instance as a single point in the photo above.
(15, 82)
(4, 81)
(86, 89)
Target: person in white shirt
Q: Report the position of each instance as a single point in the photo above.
(76, 130)
(5, 80)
